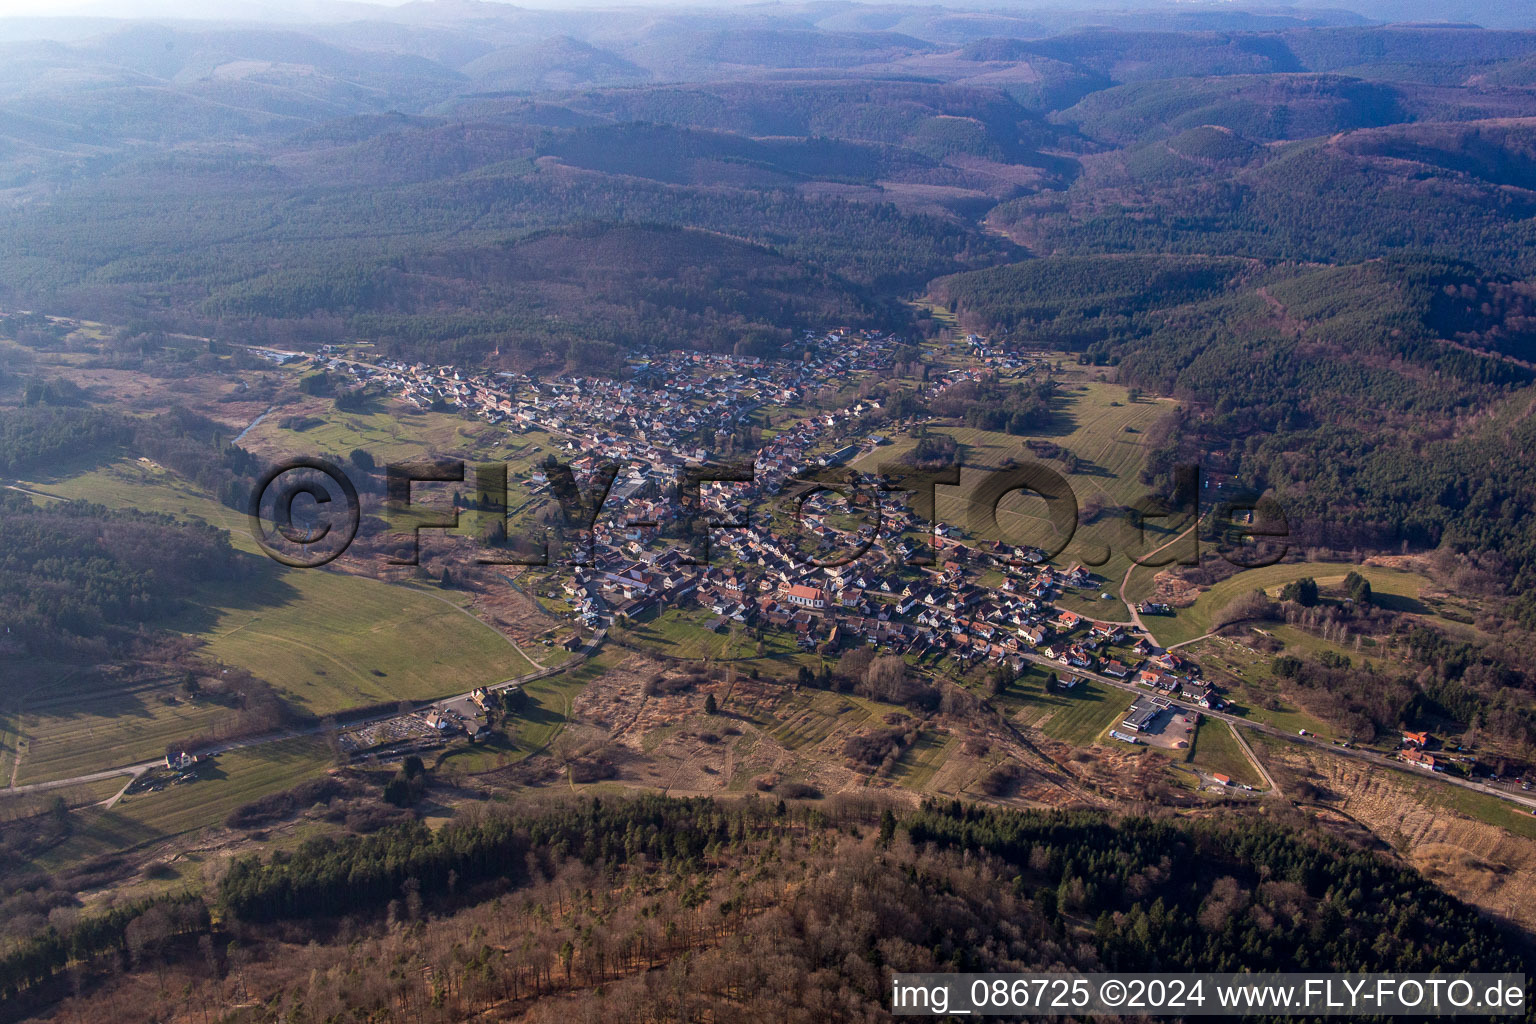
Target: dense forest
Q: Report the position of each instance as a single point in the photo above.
(454, 222)
(650, 907)
(400, 284)
(72, 573)
(1329, 386)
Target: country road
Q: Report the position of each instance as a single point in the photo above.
(290, 734)
(1238, 723)
(1125, 581)
(1253, 759)
(1528, 802)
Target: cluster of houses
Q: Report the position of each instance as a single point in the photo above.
(463, 716)
(881, 600)
(1171, 674)
(673, 408)
(667, 402)
(670, 409)
(994, 353)
(1414, 752)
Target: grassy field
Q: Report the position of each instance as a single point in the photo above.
(1099, 424)
(1216, 750)
(1244, 674)
(85, 794)
(332, 641)
(94, 728)
(399, 432)
(232, 780)
(940, 314)
(10, 741)
(490, 751)
(390, 431)
(808, 722)
(141, 484)
(1081, 716)
(1090, 601)
(138, 483)
(1025, 700)
(1482, 807)
(25, 676)
(238, 777)
(327, 640)
(682, 633)
(1142, 584)
(1394, 588)
(549, 702)
(920, 762)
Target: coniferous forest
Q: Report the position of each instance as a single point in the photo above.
(651, 906)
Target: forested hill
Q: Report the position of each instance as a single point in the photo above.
(779, 913)
(1329, 386)
(585, 292)
(1317, 234)
(380, 180)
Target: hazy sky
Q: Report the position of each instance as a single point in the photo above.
(284, 10)
(1507, 13)
(333, 10)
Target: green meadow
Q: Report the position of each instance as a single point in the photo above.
(1216, 750)
(1395, 588)
(1099, 424)
(331, 641)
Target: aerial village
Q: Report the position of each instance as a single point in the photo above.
(831, 585)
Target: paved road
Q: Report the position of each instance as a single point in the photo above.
(39, 494)
(1523, 800)
(1253, 759)
(110, 773)
(314, 730)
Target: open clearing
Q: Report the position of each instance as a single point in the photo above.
(1254, 694)
(390, 431)
(332, 641)
(231, 781)
(228, 782)
(683, 633)
(1100, 426)
(548, 709)
(1081, 715)
(1217, 751)
(327, 640)
(1397, 588)
(91, 729)
(810, 722)
(141, 484)
(920, 762)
